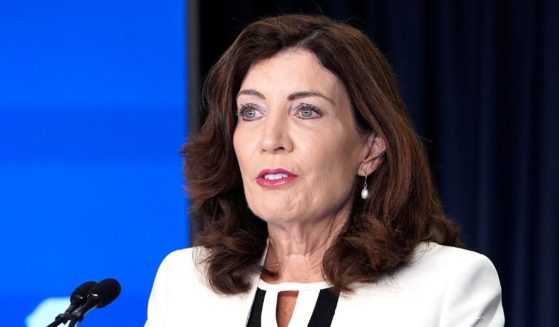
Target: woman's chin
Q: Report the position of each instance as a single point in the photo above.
(278, 216)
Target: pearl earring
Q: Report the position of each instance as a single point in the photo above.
(364, 191)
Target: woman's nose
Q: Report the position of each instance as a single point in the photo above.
(275, 136)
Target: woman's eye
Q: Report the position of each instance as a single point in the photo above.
(307, 111)
(248, 112)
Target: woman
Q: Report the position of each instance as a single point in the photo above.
(316, 199)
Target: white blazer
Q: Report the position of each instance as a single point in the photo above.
(441, 286)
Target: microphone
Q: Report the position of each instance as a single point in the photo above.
(78, 297)
(98, 296)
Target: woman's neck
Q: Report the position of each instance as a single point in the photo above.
(295, 252)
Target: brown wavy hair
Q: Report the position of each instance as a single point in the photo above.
(404, 208)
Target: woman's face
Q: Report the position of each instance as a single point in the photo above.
(296, 140)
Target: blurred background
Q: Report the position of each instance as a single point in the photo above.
(96, 99)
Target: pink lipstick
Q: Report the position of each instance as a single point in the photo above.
(275, 178)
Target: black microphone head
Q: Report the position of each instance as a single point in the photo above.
(79, 295)
(105, 291)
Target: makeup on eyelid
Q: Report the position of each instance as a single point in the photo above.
(312, 111)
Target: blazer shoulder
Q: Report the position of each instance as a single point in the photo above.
(440, 286)
(472, 290)
(448, 258)
(181, 295)
(183, 262)
(178, 257)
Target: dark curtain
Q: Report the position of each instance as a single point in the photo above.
(481, 81)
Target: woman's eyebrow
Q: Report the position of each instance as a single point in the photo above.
(304, 94)
(251, 92)
(291, 97)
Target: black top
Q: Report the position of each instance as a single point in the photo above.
(322, 315)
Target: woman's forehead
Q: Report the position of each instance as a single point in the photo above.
(290, 72)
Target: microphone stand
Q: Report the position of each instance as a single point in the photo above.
(60, 319)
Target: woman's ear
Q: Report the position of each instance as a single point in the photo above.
(373, 154)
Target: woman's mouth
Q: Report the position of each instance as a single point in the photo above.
(275, 178)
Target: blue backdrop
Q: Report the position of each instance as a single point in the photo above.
(92, 115)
